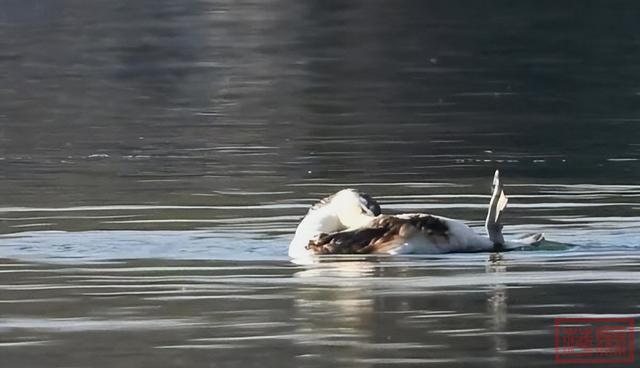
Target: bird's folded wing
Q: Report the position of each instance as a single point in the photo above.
(382, 235)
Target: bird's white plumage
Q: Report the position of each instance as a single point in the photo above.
(461, 239)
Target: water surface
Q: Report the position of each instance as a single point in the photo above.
(156, 156)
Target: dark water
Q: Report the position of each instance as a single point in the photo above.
(155, 157)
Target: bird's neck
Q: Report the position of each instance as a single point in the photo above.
(313, 224)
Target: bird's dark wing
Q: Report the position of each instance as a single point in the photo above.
(380, 236)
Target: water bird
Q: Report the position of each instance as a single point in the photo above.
(351, 222)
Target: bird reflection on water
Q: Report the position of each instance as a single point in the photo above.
(379, 310)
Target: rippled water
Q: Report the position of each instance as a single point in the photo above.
(156, 156)
(449, 311)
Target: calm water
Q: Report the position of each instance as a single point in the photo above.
(155, 157)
